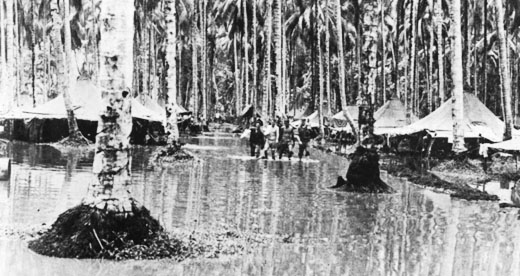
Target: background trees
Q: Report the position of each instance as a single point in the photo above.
(230, 53)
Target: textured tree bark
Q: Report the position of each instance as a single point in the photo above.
(3, 63)
(341, 70)
(267, 60)
(74, 133)
(246, 53)
(415, 5)
(440, 49)
(8, 86)
(430, 58)
(112, 160)
(195, 68)
(457, 78)
(370, 47)
(255, 57)
(327, 57)
(277, 16)
(171, 55)
(383, 51)
(505, 72)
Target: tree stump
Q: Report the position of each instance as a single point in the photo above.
(363, 174)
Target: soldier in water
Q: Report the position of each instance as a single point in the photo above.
(303, 137)
(286, 140)
(272, 137)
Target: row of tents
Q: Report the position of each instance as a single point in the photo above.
(48, 122)
(390, 119)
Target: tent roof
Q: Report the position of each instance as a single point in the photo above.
(479, 121)
(339, 120)
(390, 116)
(86, 102)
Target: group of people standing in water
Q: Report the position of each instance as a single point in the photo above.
(277, 138)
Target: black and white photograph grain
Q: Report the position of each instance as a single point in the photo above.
(260, 137)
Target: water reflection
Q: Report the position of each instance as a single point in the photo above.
(412, 232)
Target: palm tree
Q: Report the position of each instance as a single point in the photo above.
(505, 75)
(195, 66)
(74, 133)
(255, 55)
(171, 84)
(10, 62)
(267, 59)
(370, 18)
(112, 159)
(440, 49)
(415, 5)
(277, 22)
(457, 78)
(3, 60)
(341, 70)
(327, 56)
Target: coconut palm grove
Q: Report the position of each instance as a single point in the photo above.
(248, 137)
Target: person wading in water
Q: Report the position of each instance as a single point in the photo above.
(256, 140)
(303, 136)
(273, 135)
(286, 140)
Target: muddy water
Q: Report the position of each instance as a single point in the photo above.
(412, 232)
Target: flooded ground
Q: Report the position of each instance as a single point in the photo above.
(412, 232)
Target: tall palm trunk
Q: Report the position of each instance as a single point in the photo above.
(171, 85)
(415, 5)
(327, 56)
(204, 59)
(195, 68)
(112, 159)
(320, 84)
(237, 77)
(74, 133)
(9, 85)
(440, 49)
(430, 58)
(370, 18)
(246, 53)
(255, 57)
(277, 22)
(3, 61)
(505, 73)
(383, 51)
(457, 78)
(341, 70)
(484, 59)
(267, 60)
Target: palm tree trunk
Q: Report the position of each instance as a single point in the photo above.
(204, 60)
(9, 85)
(320, 83)
(370, 18)
(484, 59)
(267, 66)
(341, 70)
(327, 56)
(440, 49)
(171, 126)
(383, 51)
(237, 76)
(3, 61)
(277, 16)
(457, 78)
(504, 70)
(74, 133)
(430, 58)
(246, 53)
(112, 159)
(195, 69)
(255, 57)
(413, 52)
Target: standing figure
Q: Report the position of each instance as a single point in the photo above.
(273, 136)
(256, 140)
(303, 136)
(286, 140)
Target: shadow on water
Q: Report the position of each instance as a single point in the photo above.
(413, 232)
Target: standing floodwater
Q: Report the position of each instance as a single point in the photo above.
(412, 232)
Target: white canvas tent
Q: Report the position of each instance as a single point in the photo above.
(391, 116)
(479, 121)
(86, 102)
